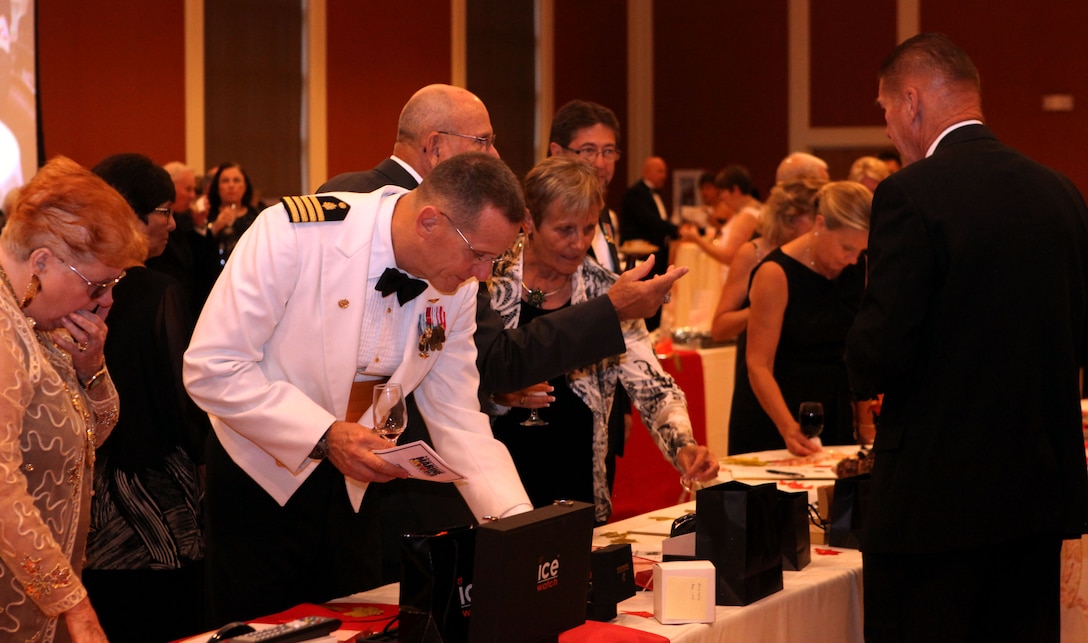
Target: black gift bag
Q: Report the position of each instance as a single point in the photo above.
(739, 530)
(848, 511)
(436, 586)
(796, 539)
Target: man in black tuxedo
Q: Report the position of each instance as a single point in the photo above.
(591, 132)
(643, 215)
(973, 326)
(438, 122)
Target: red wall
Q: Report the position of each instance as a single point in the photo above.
(1023, 51)
(379, 54)
(591, 64)
(849, 40)
(112, 78)
(720, 85)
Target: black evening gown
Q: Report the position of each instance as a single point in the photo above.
(808, 364)
(555, 461)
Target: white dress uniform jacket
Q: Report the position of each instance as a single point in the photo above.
(274, 355)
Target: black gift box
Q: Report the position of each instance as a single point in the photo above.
(612, 579)
(531, 574)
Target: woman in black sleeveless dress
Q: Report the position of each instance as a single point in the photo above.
(803, 299)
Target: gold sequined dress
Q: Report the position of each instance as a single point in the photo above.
(49, 427)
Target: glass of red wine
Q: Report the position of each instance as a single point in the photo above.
(811, 419)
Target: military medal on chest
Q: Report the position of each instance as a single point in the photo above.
(432, 330)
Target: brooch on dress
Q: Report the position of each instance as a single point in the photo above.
(432, 330)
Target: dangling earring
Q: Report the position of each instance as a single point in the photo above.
(32, 289)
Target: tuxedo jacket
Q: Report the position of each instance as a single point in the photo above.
(512, 359)
(388, 172)
(275, 352)
(640, 219)
(973, 326)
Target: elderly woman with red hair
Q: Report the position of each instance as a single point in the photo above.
(67, 242)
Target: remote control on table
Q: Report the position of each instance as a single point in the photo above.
(302, 629)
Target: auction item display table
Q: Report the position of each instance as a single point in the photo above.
(819, 603)
(822, 602)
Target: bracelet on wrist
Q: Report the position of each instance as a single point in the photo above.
(95, 379)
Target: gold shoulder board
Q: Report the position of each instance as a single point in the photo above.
(315, 208)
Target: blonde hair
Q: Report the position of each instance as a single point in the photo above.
(563, 179)
(845, 204)
(74, 213)
(869, 167)
(786, 203)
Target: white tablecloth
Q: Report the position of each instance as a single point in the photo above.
(695, 297)
(819, 603)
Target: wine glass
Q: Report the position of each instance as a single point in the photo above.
(811, 419)
(691, 486)
(390, 413)
(534, 418)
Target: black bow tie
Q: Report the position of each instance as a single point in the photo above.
(406, 288)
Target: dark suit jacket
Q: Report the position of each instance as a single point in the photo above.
(388, 172)
(973, 325)
(640, 219)
(508, 360)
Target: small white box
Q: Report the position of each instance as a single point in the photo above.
(684, 592)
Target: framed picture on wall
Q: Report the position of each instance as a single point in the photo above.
(687, 201)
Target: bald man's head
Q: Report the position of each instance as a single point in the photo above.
(440, 121)
(801, 165)
(654, 172)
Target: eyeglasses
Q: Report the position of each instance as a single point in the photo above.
(486, 141)
(166, 212)
(480, 256)
(95, 289)
(590, 154)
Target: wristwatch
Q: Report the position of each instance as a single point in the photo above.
(321, 449)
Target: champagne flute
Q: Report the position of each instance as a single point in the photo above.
(811, 419)
(390, 413)
(534, 418)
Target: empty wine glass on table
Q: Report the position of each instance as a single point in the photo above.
(390, 412)
(811, 419)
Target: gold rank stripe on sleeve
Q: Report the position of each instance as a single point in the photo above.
(314, 208)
